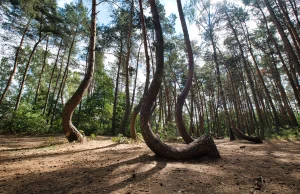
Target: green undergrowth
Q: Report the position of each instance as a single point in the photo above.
(121, 139)
(290, 134)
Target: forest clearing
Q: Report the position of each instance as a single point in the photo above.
(198, 96)
(51, 165)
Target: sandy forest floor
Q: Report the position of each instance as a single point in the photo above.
(51, 165)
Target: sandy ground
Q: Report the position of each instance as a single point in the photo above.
(51, 165)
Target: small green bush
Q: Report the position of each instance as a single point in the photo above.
(122, 140)
(25, 121)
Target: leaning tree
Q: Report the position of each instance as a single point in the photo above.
(72, 134)
(203, 146)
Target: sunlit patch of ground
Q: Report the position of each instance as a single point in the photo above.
(51, 165)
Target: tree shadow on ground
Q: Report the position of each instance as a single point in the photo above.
(135, 169)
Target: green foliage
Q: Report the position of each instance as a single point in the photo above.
(122, 140)
(168, 133)
(25, 121)
(93, 136)
(291, 134)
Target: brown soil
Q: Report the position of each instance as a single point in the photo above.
(51, 165)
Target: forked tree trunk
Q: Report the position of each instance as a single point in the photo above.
(70, 130)
(203, 146)
(181, 98)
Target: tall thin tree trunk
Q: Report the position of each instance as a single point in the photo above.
(287, 45)
(11, 77)
(42, 72)
(26, 70)
(127, 106)
(137, 108)
(55, 88)
(250, 80)
(51, 77)
(116, 90)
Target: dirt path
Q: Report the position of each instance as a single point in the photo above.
(51, 165)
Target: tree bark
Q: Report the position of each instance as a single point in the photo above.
(70, 130)
(246, 137)
(181, 98)
(204, 146)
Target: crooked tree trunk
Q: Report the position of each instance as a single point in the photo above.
(137, 108)
(11, 77)
(203, 146)
(71, 132)
(243, 136)
(181, 98)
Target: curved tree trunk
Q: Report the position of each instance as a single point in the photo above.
(203, 146)
(246, 137)
(71, 132)
(181, 98)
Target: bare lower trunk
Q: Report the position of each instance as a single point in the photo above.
(204, 146)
